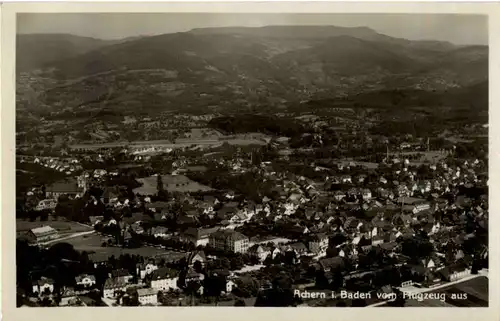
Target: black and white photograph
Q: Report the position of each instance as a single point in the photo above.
(205, 159)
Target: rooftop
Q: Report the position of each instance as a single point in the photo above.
(147, 292)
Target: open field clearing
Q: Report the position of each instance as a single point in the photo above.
(179, 143)
(63, 227)
(171, 183)
(430, 156)
(92, 244)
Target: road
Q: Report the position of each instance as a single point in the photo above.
(423, 290)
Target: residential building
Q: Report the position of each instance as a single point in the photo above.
(68, 297)
(148, 296)
(69, 187)
(144, 269)
(121, 274)
(47, 204)
(198, 236)
(318, 243)
(113, 286)
(164, 279)
(43, 285)
(229, 240)
(85, 280)
(42, 234)
(421, 207)
(230, 285)
(260, 251)
(197, 256)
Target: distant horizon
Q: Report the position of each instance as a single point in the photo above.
(455, 29)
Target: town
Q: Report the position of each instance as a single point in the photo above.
(275, 166)
(249, 225)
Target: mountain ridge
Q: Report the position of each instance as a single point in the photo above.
(207, 67)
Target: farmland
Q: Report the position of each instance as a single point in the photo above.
(171, 183)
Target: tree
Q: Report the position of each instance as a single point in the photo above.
(159, 183)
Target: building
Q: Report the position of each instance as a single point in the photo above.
(259, 251)
(318, 243)
(85, 280)
(146, 269)
(47, 204)
(421, 207)
(147, 296)
(113, 286)
(229, 240)
(230, 285)
(69, 187)
(164, 279)
(121, 274)
(44, 285)
(198, 236)
(42, 234)
(68, 297)
(95, 220)
(197, 256)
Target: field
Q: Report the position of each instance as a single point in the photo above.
(92, 244)
(64, 227)
(171, 183)
(430, 156)
(179, 143)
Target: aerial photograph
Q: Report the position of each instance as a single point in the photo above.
(251, 160)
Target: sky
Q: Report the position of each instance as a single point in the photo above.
(457, 29)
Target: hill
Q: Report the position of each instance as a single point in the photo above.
(232, 69)
(37, 50)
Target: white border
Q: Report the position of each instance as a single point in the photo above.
(7, 130)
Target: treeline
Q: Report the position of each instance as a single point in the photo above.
(256, 123)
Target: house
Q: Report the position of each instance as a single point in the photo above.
(158, 206)
(230, 285)
(210, 200)
(44, 285)
(331, 264)
(42, 234)
(298, 247)
(259, 251)
(148, 296)
(366, 194)
(197, 256)
(193, 276)
(378, 239)
(229, 240)
(239, 217)
(346, 179)
(68, 297)
(47, 204)
(160, 231)
(113, 286)
(198, 236)
(95, 220)
(121, 274)
(164, 279)
(421, 207)
(318, 243)
(146, 269)
(85, 280)
(68, 187)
